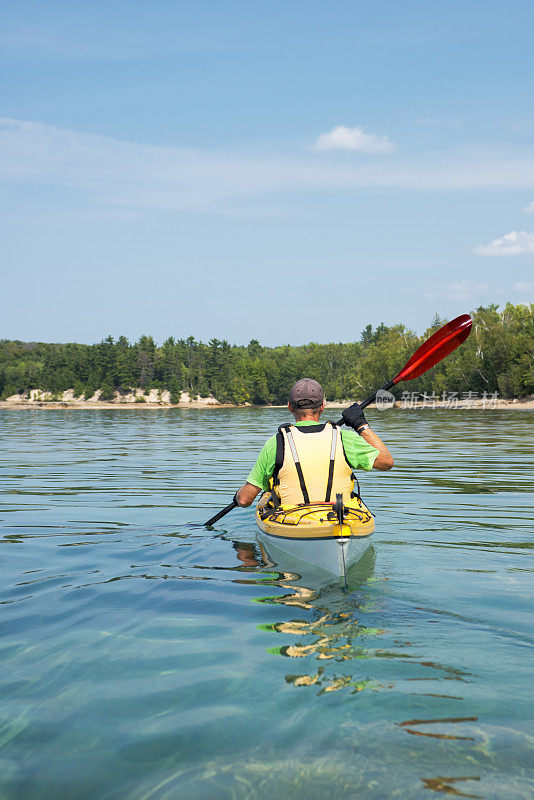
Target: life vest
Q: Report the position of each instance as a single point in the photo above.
(311, 466)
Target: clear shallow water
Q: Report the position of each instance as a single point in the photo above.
(143, 657)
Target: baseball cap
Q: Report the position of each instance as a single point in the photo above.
(306, 391)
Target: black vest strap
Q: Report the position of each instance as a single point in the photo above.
(332, 462)
(279, 458)
(278, 462)
(298, 467)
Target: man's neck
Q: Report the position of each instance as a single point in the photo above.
(314, 418)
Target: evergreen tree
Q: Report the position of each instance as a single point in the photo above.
(107, 392)
(145, 362)
(124, 365)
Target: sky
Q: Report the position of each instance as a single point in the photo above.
(283, 171)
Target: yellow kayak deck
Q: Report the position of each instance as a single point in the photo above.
(314, 521)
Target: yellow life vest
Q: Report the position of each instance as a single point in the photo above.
(314, 468)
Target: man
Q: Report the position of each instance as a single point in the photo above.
(310, 461)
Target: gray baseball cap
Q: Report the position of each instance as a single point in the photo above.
(306, 390)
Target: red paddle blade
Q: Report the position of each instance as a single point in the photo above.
(436, 348)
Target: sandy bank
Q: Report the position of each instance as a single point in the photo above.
(136, 399)
(155, 399)
(58, 405)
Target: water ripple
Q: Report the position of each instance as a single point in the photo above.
(145, 657)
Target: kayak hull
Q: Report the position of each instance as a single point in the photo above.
(307, 534)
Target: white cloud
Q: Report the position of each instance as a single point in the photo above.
(529, 208)
(353, 139)
(515, 243)
(460, 290)
(129, 175)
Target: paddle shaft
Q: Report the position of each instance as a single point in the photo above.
(369, 400)
(221, 513)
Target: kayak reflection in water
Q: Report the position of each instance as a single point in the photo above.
(327, 636)
(302, 463)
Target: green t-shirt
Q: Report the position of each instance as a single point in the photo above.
(360, 455)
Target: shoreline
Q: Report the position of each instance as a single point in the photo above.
(516, 404)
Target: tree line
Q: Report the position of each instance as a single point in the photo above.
(497, 357)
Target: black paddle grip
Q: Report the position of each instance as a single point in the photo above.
(369, 400)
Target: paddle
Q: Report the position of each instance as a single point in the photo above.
(222, 513)
(431, 352)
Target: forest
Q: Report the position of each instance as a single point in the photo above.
(497, 357)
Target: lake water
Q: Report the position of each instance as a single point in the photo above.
(143, 657)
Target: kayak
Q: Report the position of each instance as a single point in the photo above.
(312, 533)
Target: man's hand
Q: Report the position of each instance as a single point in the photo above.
(354, 417)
